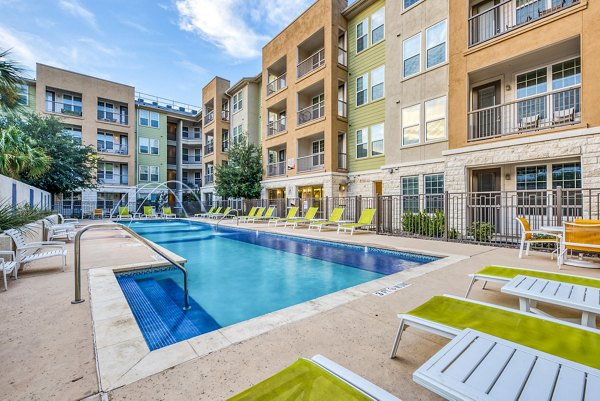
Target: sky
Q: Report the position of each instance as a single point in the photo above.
(166, 48)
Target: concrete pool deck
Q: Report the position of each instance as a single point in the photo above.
(47, 347)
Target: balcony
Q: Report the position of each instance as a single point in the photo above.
(112, 179)
(277, 84)
(225, 115)
(342, 161)
(535, 113)
(276, 127)
(209, 148)
(313, 162)
(507, 16)
(310, 64)
(192, 184)
(342, 109)
(342, 57)
(112, 148)
(276, 169)
(67, 109)
(192, 162)
(209, 117)
(312, 112)
(113, 117)
(209, 179)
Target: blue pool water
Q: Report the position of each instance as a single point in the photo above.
(236, 275)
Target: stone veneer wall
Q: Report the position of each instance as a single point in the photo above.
(330, 181)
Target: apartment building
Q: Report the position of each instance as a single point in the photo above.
(96, 112)
(522, 99)
(304, 71)
(246, 121)
(216, 128)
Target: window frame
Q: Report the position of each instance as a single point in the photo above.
(427, 121)
(404, 8)
(142, 167)
(372, 141)
(364, 132)
(23, 92)
(142, 140)
(238, 104)
(419, 55)
(445, 42)
(408, 199)
(154, 141)
(151, 173)
(147, 118)
(152, 114)
(382, 25)
(365, 78)
(382, 83)
(365, 34)
(434, 197)
(403, 127)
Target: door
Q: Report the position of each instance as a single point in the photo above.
(487, 117)
(50, 101)
(124, 174)
(485, 198)
(124, 112)
(318, 154)
(124, 142)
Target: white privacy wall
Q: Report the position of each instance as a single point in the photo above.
(18, 193)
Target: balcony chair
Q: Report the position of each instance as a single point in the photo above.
(529, 122)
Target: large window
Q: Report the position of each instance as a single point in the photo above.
(73, 132)
(436, 44)
(409, 3)
(154, 119)
(434, 193)
(238, 133)
(568, 177)
(377, 25)
(105, 111)
(154, 146)
(105, 142)
(362, 35)
(377, 83)
(410, 194)
(154, 173)
(411, 129)
(362, 143)
(238, 102)
(435, 119)
(530, 84)
(533, 181)
(72, 103)
(105, 172)
(144, 118)
(377, 140)
(224, 140)
(143, 173)
(23, 91)
(144, 145)
(362, 93)
(411, 55)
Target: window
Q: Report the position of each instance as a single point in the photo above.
(237, 134)
(154, 173)
(105, 142)
(411, 120)
(530, 179)
(435, 119)
(154, 144)
(377, 25)
(566, 75)
(154, 121)
(23, 91)
(197, 132)
(73, 132)
(436, 44)
(185, 131)
(411, 55)
(224, 140)
(238, 103)
(72, 104)
(144, 145)
(105, 172)
(530, 84)
(434, 190)
(377, 83)
(143, 173)
(409, 3)
(410, 194)
(377, 140)
(144, 118)
(568, 177)
(362, 95)
(362, 36)
(105, 111)
(362, 144)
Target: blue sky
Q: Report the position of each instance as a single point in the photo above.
(167, 48)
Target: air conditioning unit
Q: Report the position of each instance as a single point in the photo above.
(291, 164)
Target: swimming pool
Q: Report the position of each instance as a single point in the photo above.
(238, 274)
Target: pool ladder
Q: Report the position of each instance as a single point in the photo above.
(154, 247)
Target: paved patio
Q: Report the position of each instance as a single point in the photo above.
(47, 347)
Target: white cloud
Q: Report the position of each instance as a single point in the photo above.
(74, 8)
(239, 27)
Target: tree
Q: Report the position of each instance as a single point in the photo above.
(73, 166)
(20, 155)
(240, 177)
(10, 77)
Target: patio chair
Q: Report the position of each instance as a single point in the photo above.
(219, 215)
(257, 213)
(292, 212)
(529, 122)
(124, 213)
(529, 236)
(579, 238)
(251, 213)
(316, 379)
(307, 219)
(565, 116)
(97, 213)
(149, 212)
(66, 231)
(267, 216)
(365, 220)
(447, 316)
(503, 274)
(8, 267)
(212, 210)
(62, 220)
(167, 213)
(336, 215)
(28, 252)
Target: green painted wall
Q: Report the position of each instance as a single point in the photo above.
(370, 113)
(143, 159)
(32, 99)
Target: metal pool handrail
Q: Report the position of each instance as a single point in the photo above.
(78, 299)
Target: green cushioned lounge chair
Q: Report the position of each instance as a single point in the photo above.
(503, 274)
(124, 213)
(317, 379)
(292, 212)
(267, 216)
(167, 213)
(365, 220)
(308, 218)
(149, 212)
(258, 212)
(447, 316)
(335, 216)
(212, 210)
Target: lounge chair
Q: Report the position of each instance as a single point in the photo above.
(503, 274)
(258, 212)
(308, 218)
(28, 252)
(8, 266)
(212, 210)
(267, 216)
(529, 236)
(149, 212)
(66, 231)
(124, 213)
(62, 220)
(251, 213)
(219, 215)
(447, 316)
(290, 215)
(335, 216)
(167, 213)
(365, 220)
(317, 379)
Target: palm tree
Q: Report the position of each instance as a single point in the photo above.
(10, 77)
(19, 154)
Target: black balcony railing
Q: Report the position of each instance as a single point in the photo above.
(114, 148)
(276, 169)
(209, 148)
(311, 63)
(209, 117)
(277, 84)
(68, 109)
(276, 127)
(310, 113)
(209, 179)
(113, 117)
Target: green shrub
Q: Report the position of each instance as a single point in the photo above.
(482, 231)
(19, 216)
(424, 224)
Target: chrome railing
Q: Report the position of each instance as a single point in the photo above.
(342, 57)
(68, 109)
(277, 84)
(561, 107)
(507, 16)
(342, 161)
(113, 148)
(313, 162)
(276, 169)
(311, 63)
(342, 109)
(113, 117)
(209, 148)
(209, 179)
(151, 245)
(209, 117)
(310, 113)
(275, 127)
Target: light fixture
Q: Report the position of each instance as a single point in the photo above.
(508, 88)
(342, 187)
(507, 177)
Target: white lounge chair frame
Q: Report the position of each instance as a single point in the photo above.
(24, 249)
(8, 267)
